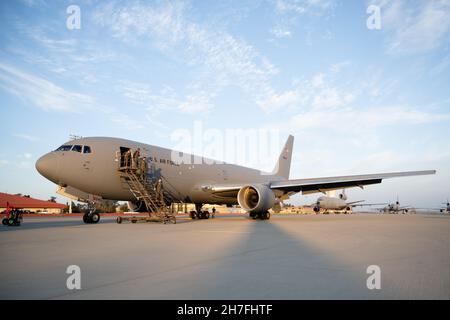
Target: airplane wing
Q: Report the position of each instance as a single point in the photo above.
(308, 186)
(368, 204)
(354, 203)
(315, 185)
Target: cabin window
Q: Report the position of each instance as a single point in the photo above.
(77, 148)
(66, 147)
(87, 149)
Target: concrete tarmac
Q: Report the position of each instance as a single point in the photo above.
(229, 257)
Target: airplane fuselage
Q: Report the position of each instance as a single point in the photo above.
(331, 203)
(96, 172)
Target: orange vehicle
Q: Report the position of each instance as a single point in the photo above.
(13, 217)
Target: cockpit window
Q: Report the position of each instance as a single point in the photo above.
(87, 149)
(77, 148)
(66, 147)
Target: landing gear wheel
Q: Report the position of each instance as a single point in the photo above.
(265, 215)
(119, 220)
(10, 222)
(193, 214)
(205, 214)
(86, 218)
(95, 218)
(198, 210)
(5, 221)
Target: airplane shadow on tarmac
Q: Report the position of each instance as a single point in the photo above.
(271, 263)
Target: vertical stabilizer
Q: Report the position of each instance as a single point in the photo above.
(283, 165)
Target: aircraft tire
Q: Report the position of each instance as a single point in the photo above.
(119, 220)
(5, 221)
(266, 215)
(205, 215)
(94, 218)
(10, 222)
(86, 218)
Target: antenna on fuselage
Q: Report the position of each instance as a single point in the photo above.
(74, 137)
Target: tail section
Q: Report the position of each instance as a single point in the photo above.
(283, 166)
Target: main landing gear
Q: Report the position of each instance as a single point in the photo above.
(198, 213)
(91, 217)
(260, 215)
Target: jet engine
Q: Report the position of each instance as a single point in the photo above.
(137, 206)
(256, 198)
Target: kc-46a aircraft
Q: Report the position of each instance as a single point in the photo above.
(89, 166)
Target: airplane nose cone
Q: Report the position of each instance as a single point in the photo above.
(47, 166)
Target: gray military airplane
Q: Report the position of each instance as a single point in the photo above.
(395, 208)
(339, 204)
(446, 209)
(89, 166)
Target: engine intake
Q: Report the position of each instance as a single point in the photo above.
(256, 198)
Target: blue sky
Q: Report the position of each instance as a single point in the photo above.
(357, 100)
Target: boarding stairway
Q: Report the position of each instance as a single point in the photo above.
(148, 191)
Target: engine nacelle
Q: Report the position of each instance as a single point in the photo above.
(256, 198)
(138, 206)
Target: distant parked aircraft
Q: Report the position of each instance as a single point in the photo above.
(395, 208)
(446, 209)
(330, 203)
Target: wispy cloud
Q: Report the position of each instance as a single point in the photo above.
(303, 6)
(289, 12)
(365, 119)
(41, 92)
(27, 137)
(280, 32)
(316, 93)
(48, 96)
(415, 26)
(166, 99)
(220, 59)
(32, 3)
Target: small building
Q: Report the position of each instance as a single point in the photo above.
(29, 204)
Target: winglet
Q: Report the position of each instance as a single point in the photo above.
(283, 166)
